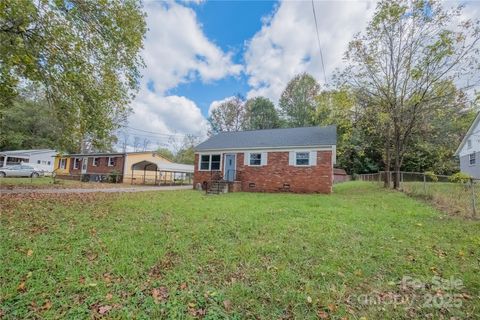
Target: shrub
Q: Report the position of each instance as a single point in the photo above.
(431, 176)
(459, 177)
(114, 176)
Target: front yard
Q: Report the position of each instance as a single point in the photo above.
(182, 254)
(50, 183)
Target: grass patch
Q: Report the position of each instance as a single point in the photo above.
(453, 198)
(48, 183)
(182, 254)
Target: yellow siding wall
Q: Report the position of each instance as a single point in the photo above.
(133, 158)
(56, 166)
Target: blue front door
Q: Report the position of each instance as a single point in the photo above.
(229, 169)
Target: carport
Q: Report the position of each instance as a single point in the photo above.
(161, 173)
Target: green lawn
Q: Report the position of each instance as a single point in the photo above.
(182, 254)
(48, 182)
(41, 182)
(454, 198)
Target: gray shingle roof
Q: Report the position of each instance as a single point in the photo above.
(272, 138)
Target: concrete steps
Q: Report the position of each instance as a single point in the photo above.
(217, 187)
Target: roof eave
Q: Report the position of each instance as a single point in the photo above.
(467, 135)
(265, 148)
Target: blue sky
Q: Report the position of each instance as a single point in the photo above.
(229, 24)
(199, 53)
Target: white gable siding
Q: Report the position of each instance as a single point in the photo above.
(474, 137)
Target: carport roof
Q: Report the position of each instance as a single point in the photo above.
(162, 166)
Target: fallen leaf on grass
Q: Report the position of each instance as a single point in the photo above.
(227, 304)
(197, 312)
(183, 286)
(104, 309)
(29, 252)
(332, 307)
(160, 294)
(107, 277)
(322, 314)
(21, 287)
(47, 305)
(109, 296)
(309, 300)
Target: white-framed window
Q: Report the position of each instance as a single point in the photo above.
(76, 162)
(48, 162)
(469, 144)
(472, 158)
(111, 161)
(63, 163)
(38, 161)
(210, 162)
(95, 161)
(255, 159)
(302, 158)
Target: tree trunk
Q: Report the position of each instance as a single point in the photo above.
(386, 178)
(396, 169)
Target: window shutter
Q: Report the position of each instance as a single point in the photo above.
(313, 158)
(264, 158)
(291, 158)
(246, 158)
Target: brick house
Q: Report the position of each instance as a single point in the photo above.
(144, 167)
(274, 160)
(97, 166)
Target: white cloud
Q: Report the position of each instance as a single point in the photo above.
(287, 43)
(169, 114)
(216, 103)
(175, 51)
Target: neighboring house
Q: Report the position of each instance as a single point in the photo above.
(61, 164)
(97, 166)
(146, 167)
(469, 150)
(272, 160)
(136, 175)
(39, 158)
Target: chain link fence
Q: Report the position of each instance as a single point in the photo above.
(461, 198)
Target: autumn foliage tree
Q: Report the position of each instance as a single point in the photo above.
(261, 114)
(403, 65)
(298, 100)
(83, 55)
(229, 115)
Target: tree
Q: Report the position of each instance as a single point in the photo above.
(297, 102)
(403, 66)
(184, 148)
(433, 148)
(261, 114)
(29, 125)
(166, 153)
(83, 55)
(228, 116)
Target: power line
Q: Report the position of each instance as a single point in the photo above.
(318, 40)
(156, 133)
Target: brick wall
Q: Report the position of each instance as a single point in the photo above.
(201, 176)
(101, 168)
(279, 176)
